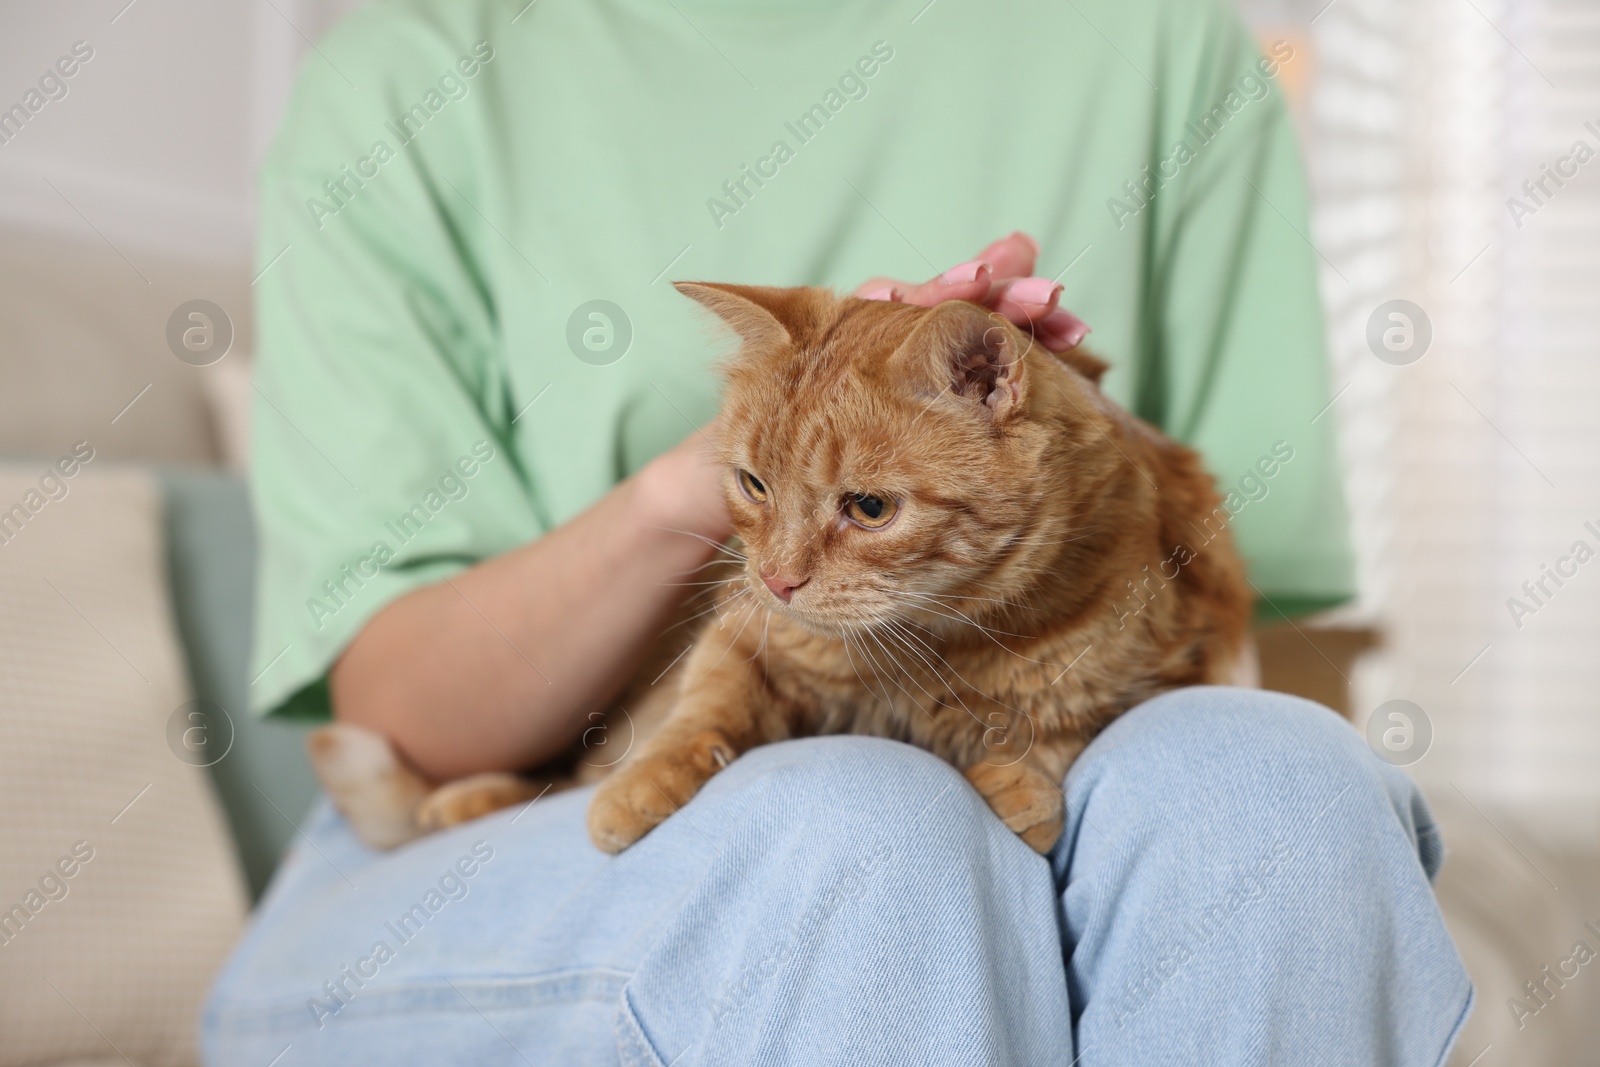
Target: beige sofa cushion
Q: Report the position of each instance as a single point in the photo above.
(81, 336)
(119, 890)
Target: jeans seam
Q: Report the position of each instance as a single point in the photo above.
(1461, 1022)
(633, 1045)
(439, 995)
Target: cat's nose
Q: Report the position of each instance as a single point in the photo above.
(783, 588)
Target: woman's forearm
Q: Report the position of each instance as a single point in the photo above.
(498, 667)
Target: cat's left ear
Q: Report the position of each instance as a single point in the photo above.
(759, 314)
(972, 352)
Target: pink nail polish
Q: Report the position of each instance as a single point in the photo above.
(963, 272)
(886, 293)
(1033, 290)
(1064, 329)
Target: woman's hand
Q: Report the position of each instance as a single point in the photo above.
(681, 490)
(1000, 278)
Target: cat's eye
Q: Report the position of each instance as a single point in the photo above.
(873, 512)
(752, 487)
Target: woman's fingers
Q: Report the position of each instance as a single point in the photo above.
(1033, 302)
(1060, 330)
(1013, 256)
(965, 281)
(880, 289)
(1026, 300)
(1000, 278)
(972, 281)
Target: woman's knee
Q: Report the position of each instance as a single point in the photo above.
(1200, 732)
(845, 787)
(1241, 762)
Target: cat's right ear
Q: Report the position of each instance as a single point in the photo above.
(970, 352)
(760, 314)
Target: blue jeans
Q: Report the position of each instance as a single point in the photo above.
(1240, 882)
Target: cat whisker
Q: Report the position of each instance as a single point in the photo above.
(897, 668)
(709, 581)
(900, 669)
(766, 627)
(903, 637)
(908, 622)
(928, 604)
(887, 675)
(1026, 597)
(960, 615)
(1026, 659)
(989, 634)
(718, 545)
(962, 596)
(934, 610)
(937, 677)
(728, 605)
(986, 631)
(748, 615)
(848, 646)
(877, 672)
(949, 602)
(714, 561)
(716, 605)
(761, 646)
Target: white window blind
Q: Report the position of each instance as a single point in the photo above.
(1475, 468)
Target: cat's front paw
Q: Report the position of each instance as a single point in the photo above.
(1026, 800)
(643, 793)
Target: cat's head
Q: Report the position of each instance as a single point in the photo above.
(888, 461)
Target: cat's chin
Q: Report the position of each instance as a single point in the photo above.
(829, 624)
(841, 621)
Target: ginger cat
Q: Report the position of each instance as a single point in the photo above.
(948, 536)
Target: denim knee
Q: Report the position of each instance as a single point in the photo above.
(859, 902)
(1242, 861)
(843, 787)
(1258, 762)
(1256, 723)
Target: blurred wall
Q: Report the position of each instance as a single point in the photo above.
(154, 145)
(129, 191)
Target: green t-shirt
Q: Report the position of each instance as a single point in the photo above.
(458, 181)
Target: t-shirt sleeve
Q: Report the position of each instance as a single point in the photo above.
(1239, 368)
(381, 458)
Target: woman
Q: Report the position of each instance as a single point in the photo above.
(479, 487)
